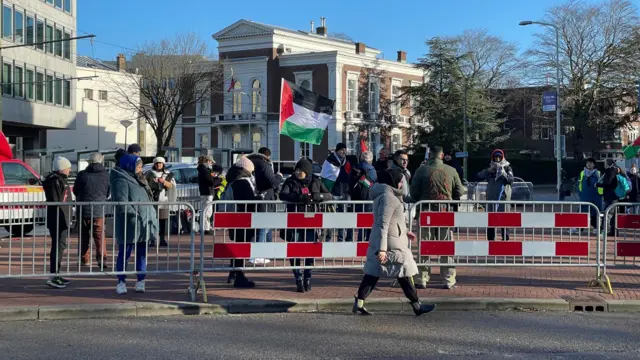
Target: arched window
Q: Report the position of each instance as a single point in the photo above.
(236, 141)
(256, 97)
(237, 98)
(256, 140)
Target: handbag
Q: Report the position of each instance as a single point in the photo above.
(394, 266)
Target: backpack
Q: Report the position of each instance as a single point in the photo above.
(227, 195)
(359, 184)
(623, 187)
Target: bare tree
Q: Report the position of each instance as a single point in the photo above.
(598, 58)
(171, 75)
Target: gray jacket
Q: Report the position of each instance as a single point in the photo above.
(389, 233)
(133, 223)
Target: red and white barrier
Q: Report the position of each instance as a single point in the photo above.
(504, 248)
(628, 248)
(505, 220)
(339, 220)
(327, 250)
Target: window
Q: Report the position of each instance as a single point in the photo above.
(352, 101)
(50, 1)
(40, 34)
(29, 84)
(374, 96)
(49, 88)
(58, 45)
(395, 142)
(104, 95)
(190, 175)
(205, 107)
(203, 141)
(6, 79)
(49, 37)
(352, 141)
(7, 23)
(255, 141)
(59, 4)
(40, 86)
(67, 5)
(395, 100)
(67, 46)
(30, 30)
(305, 149)
(237, 98)
(256, 97)
(236, 139)
(88, 94)
(66, 85)
(19, 27)
(17, 174)
(546, 132)
(18, 82)
(58, 92)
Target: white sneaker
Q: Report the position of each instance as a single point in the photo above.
(121, 289)
(140, 286)
(261, 261)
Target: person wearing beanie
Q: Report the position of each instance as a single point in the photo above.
(56, 190)
(163, 188)
(303, 191)
(335, 176)
(134, 149)
(118, 155)
(389, 254)
(499, 178)
(134, 224)
(240, 181)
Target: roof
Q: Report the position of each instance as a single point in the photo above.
(88, 62)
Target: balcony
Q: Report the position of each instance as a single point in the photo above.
(353, 115)
(241, 118)
(419, 120)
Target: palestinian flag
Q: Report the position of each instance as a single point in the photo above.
(331, 170)
(304, 115)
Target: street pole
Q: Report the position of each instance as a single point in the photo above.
(464, 132)
(99, 131)
(126, 124)
(558, 148)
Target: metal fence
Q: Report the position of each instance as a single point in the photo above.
(621, 244)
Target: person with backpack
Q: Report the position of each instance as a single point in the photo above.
(303, 191)
(589, 192)
(361, 179)
(613, 185)
(163, 189)
(499, 178)
(241, 187)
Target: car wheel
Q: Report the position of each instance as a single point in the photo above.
(19, 230)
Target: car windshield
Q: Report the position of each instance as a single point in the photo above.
(190, 175)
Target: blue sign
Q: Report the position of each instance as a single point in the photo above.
(462, 154)
(549, 101)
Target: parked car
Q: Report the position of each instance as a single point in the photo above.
(186, 177)
(520, 190)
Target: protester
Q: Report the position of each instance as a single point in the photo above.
(382, 163)
(401, 161)
(635, 179)
(437, 181)
(335, 176)
(209, 180)
(56, 190)
(92, 185)
(163, 188)
(389, 254)
(588, 191)
(134, 224)
(118, 155)
(134, 149)
(499, 178)
(241, 185)
(303, 191)
(268, 184)
(451, 161)
(361, 179)
(609, 183)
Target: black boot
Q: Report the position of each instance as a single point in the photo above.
(232, 277)
(362, 310)
(242, 281)
(299, 286)
(163, 243)
(420, 309)
(307, 284)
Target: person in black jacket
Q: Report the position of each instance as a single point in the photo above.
(209, 180)
(56, 190)
(449, 160)
(608, 184)
(92, 185)
(635, 181)
(268, 184)
(303, 191)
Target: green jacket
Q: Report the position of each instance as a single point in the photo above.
(436, 181)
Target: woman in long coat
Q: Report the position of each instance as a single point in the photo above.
(389, 254)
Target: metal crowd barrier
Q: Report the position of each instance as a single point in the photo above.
(28, 255)
(622, 230)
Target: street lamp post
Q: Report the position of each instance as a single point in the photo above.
(558, 145)
(464, 131)
(126, 124)
(97, 103)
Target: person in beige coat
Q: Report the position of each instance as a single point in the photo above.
(389, 254)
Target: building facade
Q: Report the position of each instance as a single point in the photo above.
(37, 80)
(244, 112)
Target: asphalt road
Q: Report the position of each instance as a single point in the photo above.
(439, 335)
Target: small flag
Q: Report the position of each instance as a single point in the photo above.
(304, 115)
(232, 84)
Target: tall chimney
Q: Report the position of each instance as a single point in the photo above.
(313, 26)
(360, 48)
(322, 29)
(402, 56)
(122, 63)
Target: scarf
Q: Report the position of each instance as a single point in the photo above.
(589, 173)
(341, 160)
(500, 166)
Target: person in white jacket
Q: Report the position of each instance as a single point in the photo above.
(163, 188)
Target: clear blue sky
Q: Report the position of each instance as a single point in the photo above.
(388, 25)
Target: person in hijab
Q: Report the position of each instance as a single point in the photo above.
(389, 254)
(499, 178)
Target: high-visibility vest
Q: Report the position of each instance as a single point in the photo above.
(597, 174)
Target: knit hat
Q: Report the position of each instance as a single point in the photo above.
(340, 146)
(304, 165)
(119, 154)
(61, 163)
(134, 148)
(497, 152)
(391, 177)
(159, 159)
(245, 163)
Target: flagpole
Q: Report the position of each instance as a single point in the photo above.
(280, 126)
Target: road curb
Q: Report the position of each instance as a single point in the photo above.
(246, 306)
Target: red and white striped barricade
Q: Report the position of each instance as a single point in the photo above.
(624, 238)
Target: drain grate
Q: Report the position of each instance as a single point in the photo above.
(586, 303)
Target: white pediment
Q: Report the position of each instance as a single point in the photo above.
(242, 28)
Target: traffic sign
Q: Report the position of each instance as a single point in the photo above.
(462, 154)
(549, 101)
